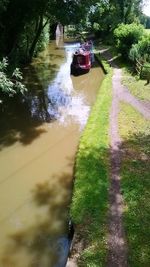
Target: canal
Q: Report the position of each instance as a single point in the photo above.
(39, 138)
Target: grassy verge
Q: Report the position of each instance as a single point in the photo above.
(137, 87)
(90, 199)
(135, 132)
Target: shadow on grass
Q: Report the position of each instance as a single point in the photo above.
(115, 60)
(90, 202)
(135, 187)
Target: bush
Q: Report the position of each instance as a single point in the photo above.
(126, 35)
(141, 50)
(145, 74)
(10, 84)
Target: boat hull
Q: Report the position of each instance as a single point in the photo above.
(79, 70)
(81, 63)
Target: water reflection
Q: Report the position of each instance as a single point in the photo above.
(59, 36)
(59, 41)
(59, 100)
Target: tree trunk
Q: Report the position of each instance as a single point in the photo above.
(39, 30)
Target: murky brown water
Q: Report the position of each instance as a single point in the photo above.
(39, 138)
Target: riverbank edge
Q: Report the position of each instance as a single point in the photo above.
(89, 207)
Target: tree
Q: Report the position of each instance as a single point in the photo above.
(101, 16)
(126, 35)
(145, 20)
(127, 10)
(107, 14)
(24, 21)
(16, 18)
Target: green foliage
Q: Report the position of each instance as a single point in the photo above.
(26, 25)
(24, 33)
(145, 20)
(43, 39)
(10, 84)
(134, 53)
(90, 199)
(128, 11)
(108, 14)
(145, 73)
(101, 17)
(22, 53)
(141, 50)
(21, 31)
(126, 35)
(3, 5)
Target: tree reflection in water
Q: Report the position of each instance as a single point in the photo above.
(46, 106)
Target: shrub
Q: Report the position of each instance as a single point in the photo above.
(126, 35)
(145, 73)
(10, 84)
(141, 50)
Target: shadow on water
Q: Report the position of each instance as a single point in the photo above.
(46, 242)
(21, 118)
(17, 123)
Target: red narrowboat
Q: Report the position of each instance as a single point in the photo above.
(81, 62)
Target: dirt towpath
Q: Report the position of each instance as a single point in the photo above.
(117, 247)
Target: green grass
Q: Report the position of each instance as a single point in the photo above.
(135, 171)
(90, 199)
(137, 87)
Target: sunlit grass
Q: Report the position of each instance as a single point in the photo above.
(135, 132)
(90, 198)
(139, 88)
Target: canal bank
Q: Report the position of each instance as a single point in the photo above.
(90, 196)
(39, 140)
